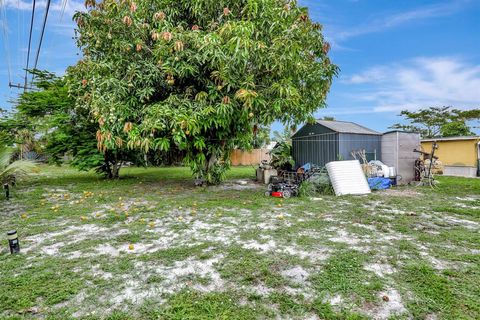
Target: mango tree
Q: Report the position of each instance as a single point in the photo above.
(199, 76)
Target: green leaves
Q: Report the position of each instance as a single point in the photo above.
(198, 75)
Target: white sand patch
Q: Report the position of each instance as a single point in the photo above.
(107, 249)
(259, 289)
(365, 226)
(392, 305)
(345, 237)
(315, 254)
(134, 291)
(263, 247)
(380, 269)
(336, 300)
(297, 275)
(97, 272)
(393, 211)
(52, 249)
(461, 222)
(69, 235)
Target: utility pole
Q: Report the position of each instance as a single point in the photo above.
(20, 86)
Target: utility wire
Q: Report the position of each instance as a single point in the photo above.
(29, 45)
(41, 35)
(3, 6)
(64, 6)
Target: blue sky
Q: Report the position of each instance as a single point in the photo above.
(393, 55)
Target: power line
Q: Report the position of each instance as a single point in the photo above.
(64, 6)
(42, 34)
(3, 6)
(29, 44)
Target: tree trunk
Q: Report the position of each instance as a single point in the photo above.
(112, 166)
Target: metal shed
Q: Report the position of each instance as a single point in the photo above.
(327, 141)
(397, 151)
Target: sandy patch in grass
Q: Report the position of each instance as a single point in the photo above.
(297, 275)
(69, 235)
(380, 269)
(343, 236)
(390, 305)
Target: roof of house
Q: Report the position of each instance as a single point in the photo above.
(452, 138)
(346, 127)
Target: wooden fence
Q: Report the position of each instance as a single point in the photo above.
(249, 158)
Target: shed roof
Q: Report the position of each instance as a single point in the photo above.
(346, 127)
(460, 138)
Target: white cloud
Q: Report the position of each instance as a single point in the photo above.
(393, 20)
(56, 6)
(417, 83)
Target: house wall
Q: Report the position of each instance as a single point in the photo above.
(459, 153)
(349, 142)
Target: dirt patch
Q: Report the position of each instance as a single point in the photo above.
(390, 305)
(399, 192)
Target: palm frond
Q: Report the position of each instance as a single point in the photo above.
(11, 172)
(5, 156)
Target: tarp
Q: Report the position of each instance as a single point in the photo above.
(379, 183)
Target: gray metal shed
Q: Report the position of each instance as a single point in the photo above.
(327, 141)
(397, 151)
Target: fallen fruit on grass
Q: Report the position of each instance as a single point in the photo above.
(385, 298)
(180, 218)
(151, 224)
(24, 216)
(83, 218)
(280, 217)
(131, 247)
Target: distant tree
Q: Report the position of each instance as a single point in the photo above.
(198, 75)
(48, 118)
(439, 121)
(329, 118)
(455, 129)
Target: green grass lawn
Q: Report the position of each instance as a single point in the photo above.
(151, 246)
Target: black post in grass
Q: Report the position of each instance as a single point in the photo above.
(13, 241)
(6, 187)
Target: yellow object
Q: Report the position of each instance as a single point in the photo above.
(83, 218)
(151, 224)
(131, 247)
(24, 216)
(455, 151)
(281, 216)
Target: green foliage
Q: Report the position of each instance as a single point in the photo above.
(455, 129)
(189, 304)
(344, 274)
(48, 122)
(317, 184)
(198, 75)
(282, 156)
(11, 172)
(261, 137)
(439, 121)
